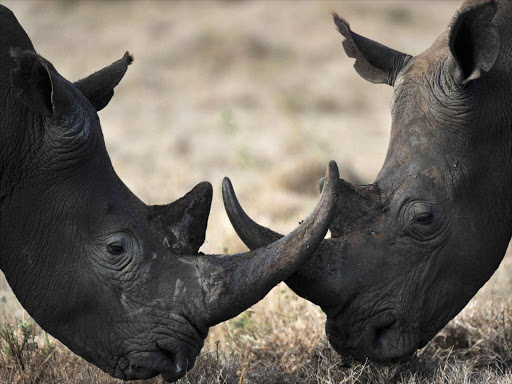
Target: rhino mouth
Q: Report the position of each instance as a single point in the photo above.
(169, 359)
(169, 351)
(385, 338)
(172, 366)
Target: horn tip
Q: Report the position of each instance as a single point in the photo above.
(203, 189)
(227, 186)
(205, 185)
(332, 171)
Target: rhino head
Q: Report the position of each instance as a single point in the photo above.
(410, 250)
(121, 283)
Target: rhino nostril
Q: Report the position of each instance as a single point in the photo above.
(177, 371)
(383, 332)
(177, 362)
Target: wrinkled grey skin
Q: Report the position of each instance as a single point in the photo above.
(410, 250)
(122, 284)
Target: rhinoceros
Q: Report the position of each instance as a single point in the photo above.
(121, 283)
(408, 251)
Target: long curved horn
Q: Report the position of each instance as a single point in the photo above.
(353, 203)
(232, 283)
(251, 233)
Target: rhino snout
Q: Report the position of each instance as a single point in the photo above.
(384, 338)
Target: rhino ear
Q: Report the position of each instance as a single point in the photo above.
(474, 39)
(374, 62)
(38, 85)
(32, 82)
(98, 88)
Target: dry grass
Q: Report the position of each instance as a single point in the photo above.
(259, 91)
(286, 344)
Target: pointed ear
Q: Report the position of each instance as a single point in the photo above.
(31, 79)
(374, 62)
(98, 88)
(474, 39)
(38, 85)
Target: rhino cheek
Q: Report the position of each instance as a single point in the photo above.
(321, 279)
(382, 336)
(372, 303)
(132, 329)
(343, 268)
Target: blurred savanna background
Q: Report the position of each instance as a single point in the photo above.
(261, 92)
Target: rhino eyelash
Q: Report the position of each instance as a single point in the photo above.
(116, 249)
(424, 219)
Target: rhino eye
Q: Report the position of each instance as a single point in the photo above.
(424, 218)
(115, 249)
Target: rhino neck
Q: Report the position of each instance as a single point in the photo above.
(17, 124)
(504, 67)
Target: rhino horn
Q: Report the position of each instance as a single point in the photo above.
(251, 233)
(353, 203)
(184, 220)
(357, 204)
(232, 283)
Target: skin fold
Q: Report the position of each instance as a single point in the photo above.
(410, 250)
(119, 282)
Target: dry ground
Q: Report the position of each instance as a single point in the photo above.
(262, 92)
